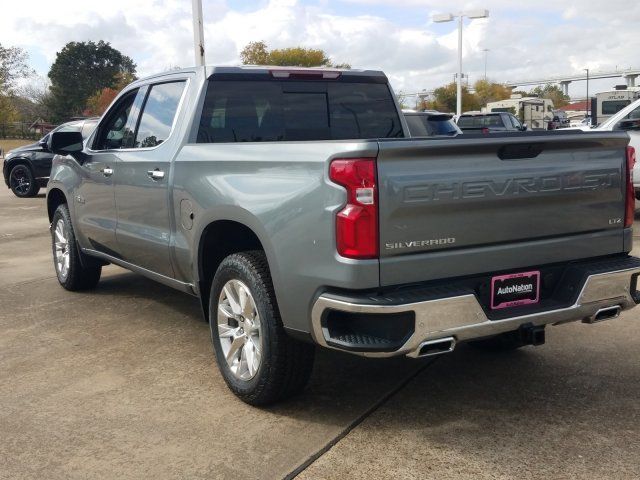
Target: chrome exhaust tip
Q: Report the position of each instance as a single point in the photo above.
(606, 313)
(431, 348)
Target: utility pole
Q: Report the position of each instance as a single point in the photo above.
(198, 32)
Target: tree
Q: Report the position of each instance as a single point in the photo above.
(257, 53)
(552, 92)
(80, 70)
(444, 99)
(100, 100)
(490, 92)
(13, 66)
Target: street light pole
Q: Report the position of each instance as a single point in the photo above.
(459, 86)
(198, 32)
(486, 52)
(588, 99)
(448, 17)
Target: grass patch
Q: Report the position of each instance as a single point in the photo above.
(7, 144)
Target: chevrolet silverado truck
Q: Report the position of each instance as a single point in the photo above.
(294, 204)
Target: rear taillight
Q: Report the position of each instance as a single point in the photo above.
(630, 201)
(357, 222)
(485, 130)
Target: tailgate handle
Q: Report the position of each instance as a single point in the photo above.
(520, 151)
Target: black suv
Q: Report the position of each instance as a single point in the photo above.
(430, 123)
(26, 169)
(490, 123)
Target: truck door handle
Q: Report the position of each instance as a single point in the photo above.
(107, 171)
(155, 174)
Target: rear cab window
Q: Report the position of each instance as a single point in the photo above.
(271, 110)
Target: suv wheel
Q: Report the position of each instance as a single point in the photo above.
(21, 181)
(72, 274)
(259, 362)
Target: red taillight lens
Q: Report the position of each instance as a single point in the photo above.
(357, 222)
(631, 197)
(485, 130)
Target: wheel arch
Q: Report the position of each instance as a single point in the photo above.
(218, 239)
(55, 198)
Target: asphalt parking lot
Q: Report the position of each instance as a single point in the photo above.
(121, 383)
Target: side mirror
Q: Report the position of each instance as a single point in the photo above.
(524, 127)
(44, 142)
(65, 143)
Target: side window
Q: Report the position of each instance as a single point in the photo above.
(158, 113)
(114, 132)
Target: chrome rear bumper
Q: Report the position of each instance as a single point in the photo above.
(462, 317)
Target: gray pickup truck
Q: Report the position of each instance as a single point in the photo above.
(292, 203)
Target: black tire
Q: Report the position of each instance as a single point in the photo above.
(22, 182)
(504, 342)
(78, 276)
(286, 363)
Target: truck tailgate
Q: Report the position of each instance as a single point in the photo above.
(456, 206)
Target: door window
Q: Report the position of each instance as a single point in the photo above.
(115, 132)
(158, 114)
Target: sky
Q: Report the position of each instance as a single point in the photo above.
(525, 39)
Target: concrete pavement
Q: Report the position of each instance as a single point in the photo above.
(121, 383)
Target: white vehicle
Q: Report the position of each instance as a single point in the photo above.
(627, 119)
(535, 112)
(611, 102)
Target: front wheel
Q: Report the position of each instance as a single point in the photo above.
(71, 273)
(260, 363)
(22, 182)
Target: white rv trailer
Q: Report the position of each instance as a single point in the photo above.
(535, 112)
(611, 102)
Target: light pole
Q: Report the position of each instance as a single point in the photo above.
(448, 17)
(486, 52)
(588, 99)
(198, 32)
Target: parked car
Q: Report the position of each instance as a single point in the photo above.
(430, 123)
(293, 205)
(26, 169)
(490, 123)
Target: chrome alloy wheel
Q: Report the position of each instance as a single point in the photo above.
(239, 330)
(61, 249)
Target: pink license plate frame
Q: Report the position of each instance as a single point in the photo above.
(515, 303)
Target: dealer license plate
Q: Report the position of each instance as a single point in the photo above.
(515, 289)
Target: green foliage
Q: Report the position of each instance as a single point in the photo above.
(552, 92)
(445, 99)
(80, 70)
(13, 66)
(487, 92)
(257, 53)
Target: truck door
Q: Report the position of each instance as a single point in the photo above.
(141, 181)
(94, 200)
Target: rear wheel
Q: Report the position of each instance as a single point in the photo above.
(260, 363)
(22, 181)
(71, 272)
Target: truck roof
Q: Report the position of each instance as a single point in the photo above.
(376, 76)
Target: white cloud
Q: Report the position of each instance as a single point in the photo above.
(525, 38)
